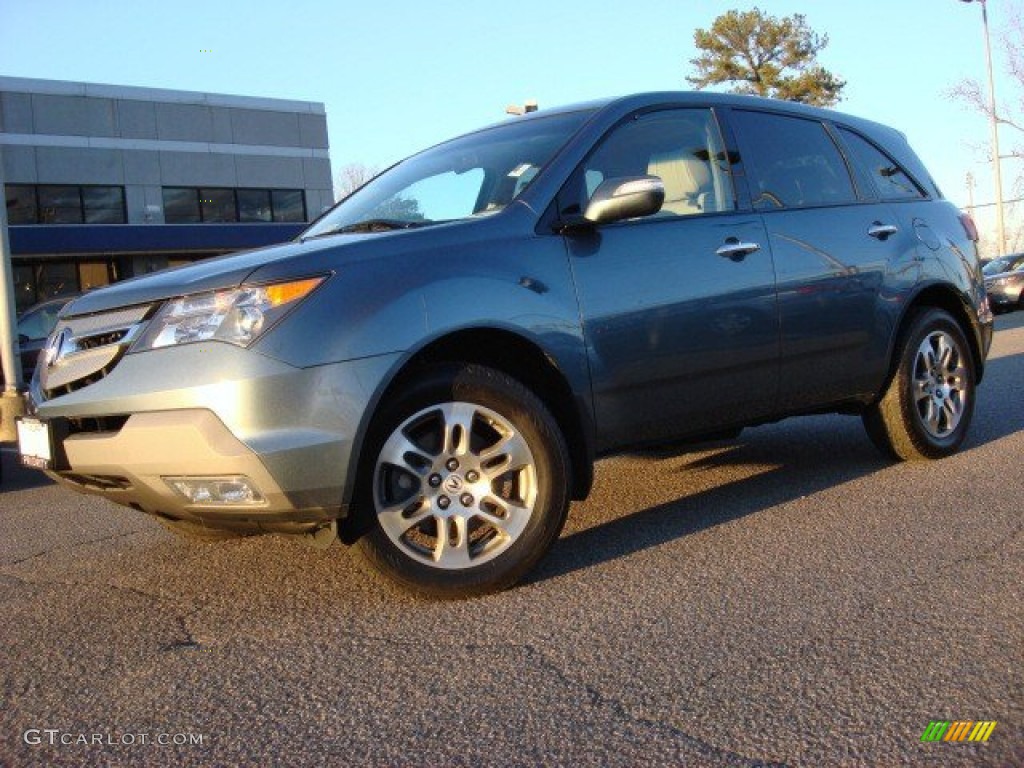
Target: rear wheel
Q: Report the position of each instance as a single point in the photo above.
(469, 483)
(926, 408)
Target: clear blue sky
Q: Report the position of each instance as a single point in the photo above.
(398, 75)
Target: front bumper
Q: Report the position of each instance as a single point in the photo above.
(1005, 296)
(213, 409)
(128, 466)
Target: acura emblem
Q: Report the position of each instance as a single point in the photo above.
(58, 346)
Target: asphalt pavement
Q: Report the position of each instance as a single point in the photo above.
(789, 598)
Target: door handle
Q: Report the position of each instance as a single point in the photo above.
(736, 250)
(882, 231)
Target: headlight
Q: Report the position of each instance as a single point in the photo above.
(238, 315)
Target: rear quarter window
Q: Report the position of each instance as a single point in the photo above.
(889, 180)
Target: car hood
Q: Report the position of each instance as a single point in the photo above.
(286, 261)
(207, 275)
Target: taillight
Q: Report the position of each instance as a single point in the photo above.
(969, 226)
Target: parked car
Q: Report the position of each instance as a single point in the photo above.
(431, 368)
(34, 326)
(1004, 282)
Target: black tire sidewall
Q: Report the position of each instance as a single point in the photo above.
(925, 324)
(494, 390)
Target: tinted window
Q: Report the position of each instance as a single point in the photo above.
(682, 147)
(181, 205)
(60, 205)
(792, 162)
(289, 205)
(21, 203)
(217, 205)
(890, 181)
(254, 205)
(103, 205)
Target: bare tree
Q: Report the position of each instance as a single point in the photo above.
(351, 177)
(1009, 113)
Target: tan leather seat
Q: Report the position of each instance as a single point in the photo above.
(686, 181)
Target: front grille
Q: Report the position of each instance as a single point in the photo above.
(82, 350)
(102, 340)
(109, 425)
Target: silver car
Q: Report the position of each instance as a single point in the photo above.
(1004, 282)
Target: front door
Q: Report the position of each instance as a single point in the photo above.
(678, 308)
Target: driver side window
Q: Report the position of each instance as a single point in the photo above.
(682, 147)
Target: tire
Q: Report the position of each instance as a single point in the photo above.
(927, 405)
(466, 486)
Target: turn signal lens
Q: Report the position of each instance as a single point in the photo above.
(239, 315)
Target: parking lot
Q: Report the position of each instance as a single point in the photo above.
(789, 598)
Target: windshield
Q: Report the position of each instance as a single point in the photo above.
(1004, 264)
(475, 175)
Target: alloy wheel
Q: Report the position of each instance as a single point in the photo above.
(455, 485)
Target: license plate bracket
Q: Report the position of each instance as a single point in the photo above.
(35, 442)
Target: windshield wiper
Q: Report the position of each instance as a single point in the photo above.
(372, 225)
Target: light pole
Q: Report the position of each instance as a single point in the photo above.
(994, 122)
(11, 403)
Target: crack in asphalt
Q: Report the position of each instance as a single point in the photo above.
(181, 618)
(72, 546)
(594, 695)
(599, 699)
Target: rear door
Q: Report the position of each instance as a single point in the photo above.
(834, 245)
(678, 308)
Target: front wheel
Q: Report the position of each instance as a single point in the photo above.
(468, 486)
(926, 408)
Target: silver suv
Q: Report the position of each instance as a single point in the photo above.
(432, 367)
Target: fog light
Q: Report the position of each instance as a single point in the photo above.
(232, 491)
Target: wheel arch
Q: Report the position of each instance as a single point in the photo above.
(513, 354)
(948, 298)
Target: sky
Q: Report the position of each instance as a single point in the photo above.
(397, 75)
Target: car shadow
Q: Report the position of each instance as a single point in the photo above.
(14, 476)
(790, 460)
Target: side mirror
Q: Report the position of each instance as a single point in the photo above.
(626, 197)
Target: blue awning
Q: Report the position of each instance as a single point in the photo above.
(86, 239)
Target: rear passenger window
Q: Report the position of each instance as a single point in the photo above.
(890, 181)
(792, 162)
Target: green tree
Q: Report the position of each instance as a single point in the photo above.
(766, 56)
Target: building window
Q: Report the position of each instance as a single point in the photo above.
(254, 205)
(288, 204)
(181, 205)
(218, 205)
(64, 204)
(21, 204)
(60, 205)
(103, 205)
(188, 205)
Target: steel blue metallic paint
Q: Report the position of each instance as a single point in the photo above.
(654, 333)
